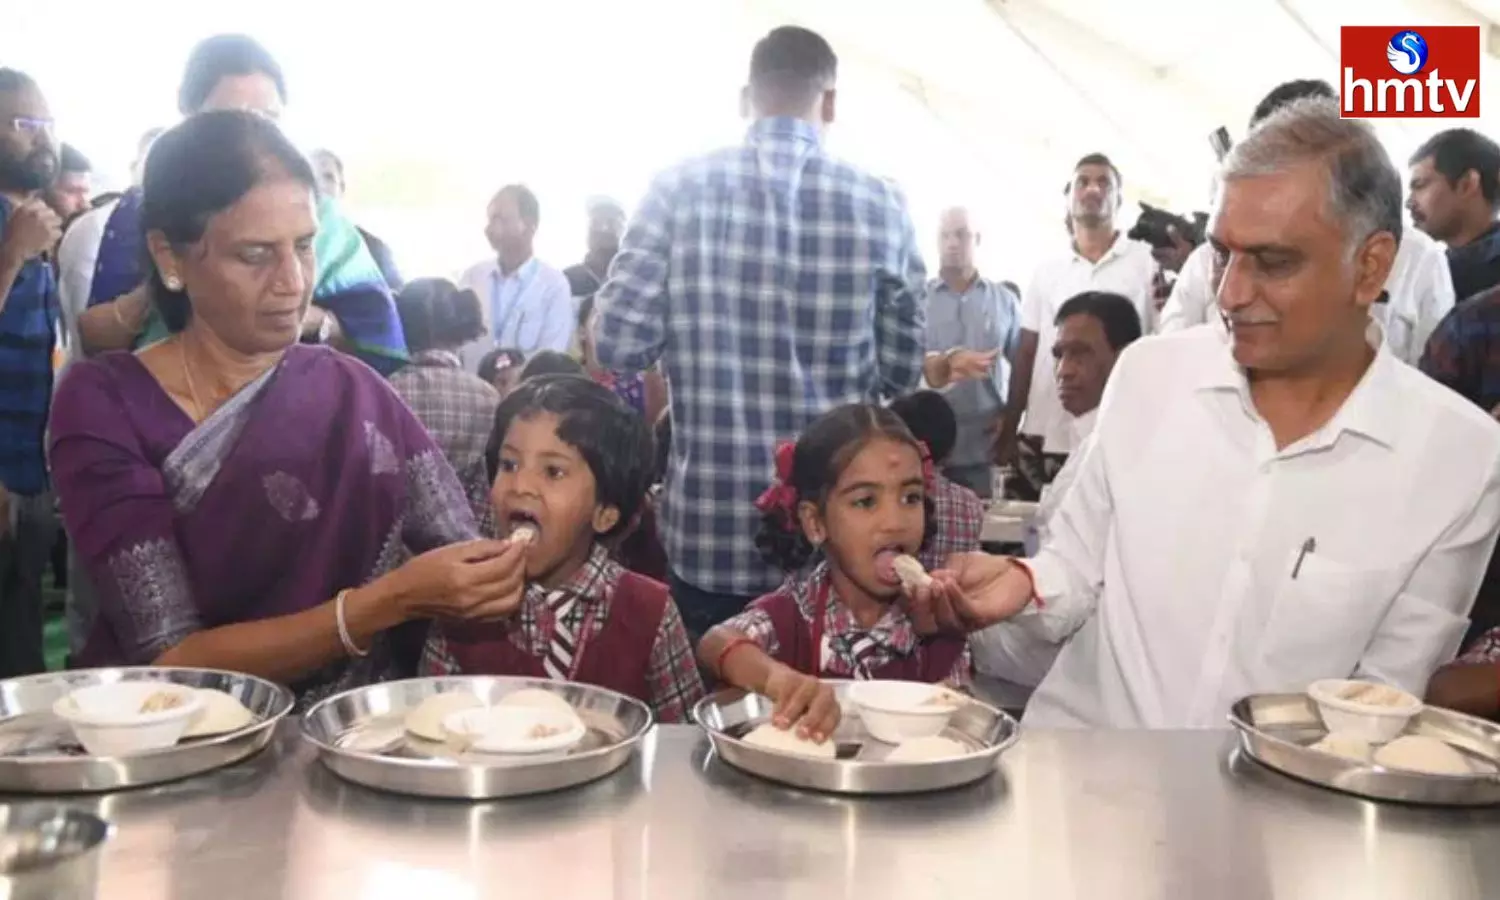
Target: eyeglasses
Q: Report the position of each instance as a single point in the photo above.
(34, 126)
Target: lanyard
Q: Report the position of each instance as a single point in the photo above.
(517, 304)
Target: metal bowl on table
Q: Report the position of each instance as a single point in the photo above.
(360, 735)
(859, 765)
(1277, 731)
(40, 755)
(49, 853)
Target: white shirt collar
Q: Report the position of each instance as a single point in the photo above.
(1121, 246)
(1083, 426)
(1373, 409)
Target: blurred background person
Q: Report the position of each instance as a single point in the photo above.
(352, 305)
(606, 224)
(1455, 198)
(29, 229)
(1099, 257)
(70, 193)
(457, 407)
(527, 304)
(973, 334)
(331, 181)
(501, 369)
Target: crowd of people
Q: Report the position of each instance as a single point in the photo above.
(700, 454)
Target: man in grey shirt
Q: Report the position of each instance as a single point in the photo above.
(973, 330)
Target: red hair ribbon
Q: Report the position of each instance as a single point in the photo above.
(781, 495)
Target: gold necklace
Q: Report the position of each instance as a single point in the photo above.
(187, 374)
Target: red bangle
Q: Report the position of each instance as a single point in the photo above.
(1036, 597)
(729, 648)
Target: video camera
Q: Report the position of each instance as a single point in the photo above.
(1151, 227)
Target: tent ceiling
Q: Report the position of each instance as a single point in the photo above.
(1145, 81)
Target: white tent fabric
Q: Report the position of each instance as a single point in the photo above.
(1019, 89)
(1145, 81)
(981, 102)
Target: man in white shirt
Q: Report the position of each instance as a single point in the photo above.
(1419, 291)
(1093, 329)
(1101, 258)
(527, 305)
(1218, 538)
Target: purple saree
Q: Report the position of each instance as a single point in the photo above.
(308, 481)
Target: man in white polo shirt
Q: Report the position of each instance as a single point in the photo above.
(1418, 293)
(1101, 258)
(526, 304)
(1217, 540)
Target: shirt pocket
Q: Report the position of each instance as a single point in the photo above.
(1321, 621)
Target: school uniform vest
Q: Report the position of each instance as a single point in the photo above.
(932, 662)
(617, 657)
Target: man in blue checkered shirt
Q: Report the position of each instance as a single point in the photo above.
(29, 163)
(773, 283)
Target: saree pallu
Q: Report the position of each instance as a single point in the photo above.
(349, 285)
(308, 481)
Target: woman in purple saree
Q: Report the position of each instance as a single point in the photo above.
(239, 501)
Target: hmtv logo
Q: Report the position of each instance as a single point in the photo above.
(1409, 73)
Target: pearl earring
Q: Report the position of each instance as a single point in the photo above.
(173, 283)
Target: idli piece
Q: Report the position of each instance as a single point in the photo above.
(537, 698)
(1345, 746)
(1418, 753)
(927, 749)
(220, 714)
(426, 718)
(770, 737)
(911, 572)
(379, 740)
(1372, 694)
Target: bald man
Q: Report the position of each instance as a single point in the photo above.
(973, 331)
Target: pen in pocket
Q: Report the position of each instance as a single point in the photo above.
(1308, 546)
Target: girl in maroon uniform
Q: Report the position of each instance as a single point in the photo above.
(569, 461)
(848, 497)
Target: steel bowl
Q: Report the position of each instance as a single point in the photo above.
(49, 853)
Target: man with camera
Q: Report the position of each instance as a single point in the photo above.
(1418, 293)
(1101, 258)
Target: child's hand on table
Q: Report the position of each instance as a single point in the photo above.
(803, 701)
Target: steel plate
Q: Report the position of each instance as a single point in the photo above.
(408, 765)
(38, 754)
(859, 767)
(1276, 729)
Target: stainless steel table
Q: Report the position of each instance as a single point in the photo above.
(1119, 815)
